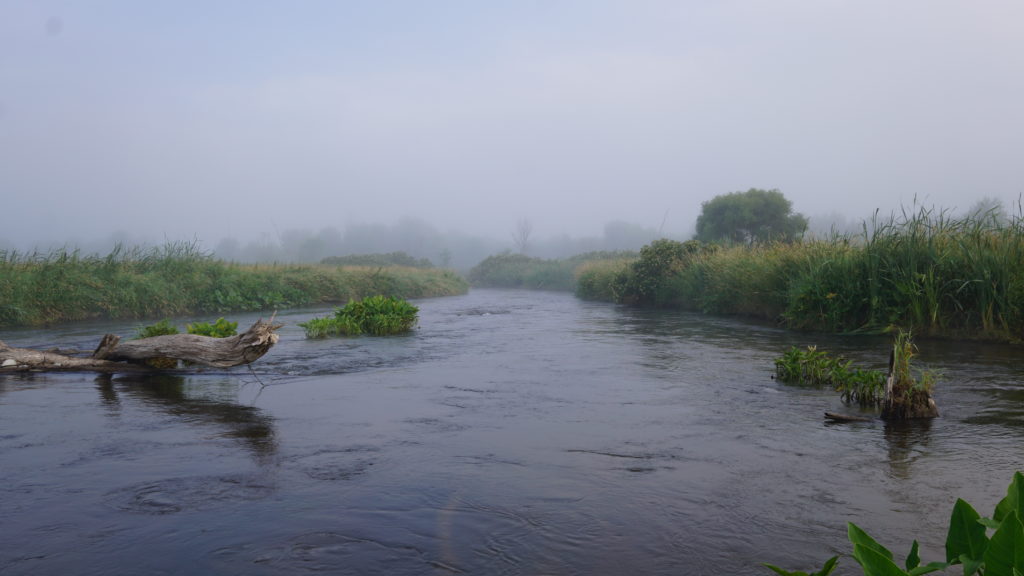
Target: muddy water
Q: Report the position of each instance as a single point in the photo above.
(512, 433)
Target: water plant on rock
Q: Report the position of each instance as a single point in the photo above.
(903, 393)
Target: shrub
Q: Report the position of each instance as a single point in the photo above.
(219, 329)
(376, 315)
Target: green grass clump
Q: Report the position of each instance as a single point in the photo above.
(375, 315)
(179, 279)
(220, 329)
(161, 328)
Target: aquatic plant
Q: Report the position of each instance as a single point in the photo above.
(968, 543)
(520, 271)
(161, 328)
(375, 315)
(810, 366)
(220, 329)
(911, 387)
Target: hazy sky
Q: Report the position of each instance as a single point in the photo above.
(181, 119)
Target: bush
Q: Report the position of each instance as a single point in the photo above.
(376, 315)
(219, 329)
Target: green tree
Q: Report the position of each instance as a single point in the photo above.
(752, 216)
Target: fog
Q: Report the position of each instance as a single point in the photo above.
(237, 124)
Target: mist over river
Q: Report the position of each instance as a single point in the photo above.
(513, 432)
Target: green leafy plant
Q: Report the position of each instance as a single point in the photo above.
(375, 315)
(220, 329)
(161, 328)
(968, 543)
(810, 366)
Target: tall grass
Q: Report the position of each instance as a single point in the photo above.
(179, 278)
(920, 270)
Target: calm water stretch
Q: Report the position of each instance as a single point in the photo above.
(512, 433)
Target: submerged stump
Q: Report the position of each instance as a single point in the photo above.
(906, 398)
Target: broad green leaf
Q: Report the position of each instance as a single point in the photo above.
(989, 523)
(970, 566)
(1014, 500)
(860, 538)
(1006, 549)
(875, 562)
(782, 572)
(829, 566)
(929, 567)
(966, 536)
(913, 559)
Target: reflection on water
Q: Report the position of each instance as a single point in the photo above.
(252, 426)
(512, 433)
(907, 442)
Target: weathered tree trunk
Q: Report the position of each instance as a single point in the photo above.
(112, 355)
(902, 401)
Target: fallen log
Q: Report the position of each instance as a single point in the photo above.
(837, 417)
(113, 355)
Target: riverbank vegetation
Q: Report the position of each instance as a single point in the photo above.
(926, 271)
(178, 279)
(374, 315)
(520, 271)
(968, 543)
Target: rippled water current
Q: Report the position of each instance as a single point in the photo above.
(512, 433)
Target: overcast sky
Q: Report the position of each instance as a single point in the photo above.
(208, 119)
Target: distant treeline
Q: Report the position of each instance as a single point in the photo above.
(926, 271)
(178, 279)
(390, 259)
(422, 241)
(520, 271)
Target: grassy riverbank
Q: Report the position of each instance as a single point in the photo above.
(936, 275)
(521, 271)
(178, 278)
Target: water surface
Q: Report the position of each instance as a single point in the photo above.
(511, 433)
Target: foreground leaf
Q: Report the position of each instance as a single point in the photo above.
(1005, 553)
(860, 538)
(966, 536)
(875, 562)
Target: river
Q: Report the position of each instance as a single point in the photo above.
(513, 432)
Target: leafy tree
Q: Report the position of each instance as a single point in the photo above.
(752, 216)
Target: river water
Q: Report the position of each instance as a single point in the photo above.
(513, 432)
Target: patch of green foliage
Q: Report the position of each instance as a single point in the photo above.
(161, 328)
(180, 279)
(220, 329)
(813, 367)
(747, 217)
(389, 259)
(968, 543)
(375, 315)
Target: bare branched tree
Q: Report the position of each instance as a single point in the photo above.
(521, 235)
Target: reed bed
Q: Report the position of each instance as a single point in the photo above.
(179, 278)
(922, 270)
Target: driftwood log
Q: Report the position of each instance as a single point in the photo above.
(113, 355)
